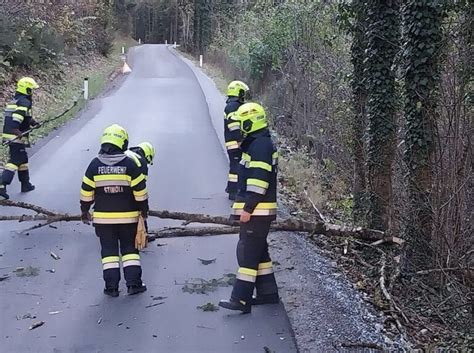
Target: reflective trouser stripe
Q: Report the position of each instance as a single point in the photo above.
(11, 167)
(247, 274)
(23, 167)
(131, 260)
(131, 263)
(265, 268)
(110, 265)
(109, 262)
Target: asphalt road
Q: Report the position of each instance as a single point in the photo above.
(162, 102)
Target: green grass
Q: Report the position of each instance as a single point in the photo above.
(50, 104)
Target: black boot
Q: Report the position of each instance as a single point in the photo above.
(265, 299)
(113, 292)
(132, 290)
(3, 193)
(236, 305)
(27, 187)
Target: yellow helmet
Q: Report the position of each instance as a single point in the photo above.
(115, 135)
(252, 117)
(237, 89)
(26, 85)
(148, 150)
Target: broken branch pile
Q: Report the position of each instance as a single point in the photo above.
(291, 224)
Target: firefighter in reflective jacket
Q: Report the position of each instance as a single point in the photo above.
(18, 119)
(115, 184)
(256, 208)
(143, 154)
(236, 93)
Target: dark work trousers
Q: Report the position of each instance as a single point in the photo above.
(18, 161)
(234, 162)
(255, 265)
(112, 237)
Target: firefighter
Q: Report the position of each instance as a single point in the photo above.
(236, 94)
(115, 184)
(256, 208)
(143, 153)
(18, 119)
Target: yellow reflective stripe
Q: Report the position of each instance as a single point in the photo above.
(258, 182)
(110, 215)
(140, 193)
(261, 205)
(265, 271)
(23, 167)
(11, 166)
(264, 265)
(268, 212)
(18, 117)
(24, 109)
(12, 106)
(275, 155)
(87, 193)
(130, 257)
(246, 278)
(247, 271)
(233, 178)
(112, 177)
(109, 259)
(89, 182)
(137, 180)
(262, 165)
(131, 263)
(246, 157)
(234, 124)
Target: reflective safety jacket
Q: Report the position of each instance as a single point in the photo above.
(138, 155)
(18, 117)
(257, 177)
(116, 186)
(232, 134)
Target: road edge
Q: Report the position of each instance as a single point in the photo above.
(215, 103)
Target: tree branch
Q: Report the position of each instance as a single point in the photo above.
(290, 225)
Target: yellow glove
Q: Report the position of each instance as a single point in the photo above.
(141, 239)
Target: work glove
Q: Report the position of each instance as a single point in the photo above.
(86, 217)
(17, 132)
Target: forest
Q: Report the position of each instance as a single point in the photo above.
(371, 102)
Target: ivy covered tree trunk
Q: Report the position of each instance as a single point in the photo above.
(202, 25)
(359, 100)
(383, 38)
(422, 41)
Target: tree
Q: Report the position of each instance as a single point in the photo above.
(422, 40)
(383, 37)
(359, 101)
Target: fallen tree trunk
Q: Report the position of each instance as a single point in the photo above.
(291, 225)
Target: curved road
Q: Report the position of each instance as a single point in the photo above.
(160, 101)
